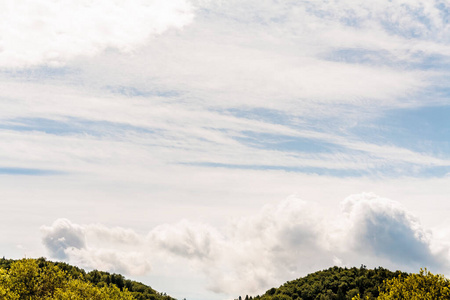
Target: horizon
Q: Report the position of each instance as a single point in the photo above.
(212, 149)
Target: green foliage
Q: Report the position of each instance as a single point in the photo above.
(361, 283)
(78, 289)
(333, 284)
(5, 288)
(139, 290)
(422, 286)
(32, 279)
(26, 279)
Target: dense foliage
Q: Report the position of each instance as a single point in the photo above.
(33, 279)
(30, 279)
(422, 286)
(333, 284)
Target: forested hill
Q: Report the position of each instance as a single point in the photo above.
(333, 283)
(41, 279)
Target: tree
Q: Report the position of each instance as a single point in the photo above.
(422, 286)
(5, 287)
(30, 279)
(26, 279)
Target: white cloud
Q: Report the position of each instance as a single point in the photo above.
(218, 62)
(402, 28)
(416, 18)
(137, 130)
(186, 239)
(95, 246)
(223, 72)
(281, 56)
(53, 32)
(278, 243)
(110, 259)
(63, 235)
(383, 228)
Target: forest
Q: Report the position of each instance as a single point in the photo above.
(338, 283)
(33, 279)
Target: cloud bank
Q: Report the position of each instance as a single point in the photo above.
(94, 246)
(51, 32)
(280, 242)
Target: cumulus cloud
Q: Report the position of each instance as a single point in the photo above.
(186, 239)
(96, 246)
(275, 244)
(61, 236)
(280, 242)
(111, 259)
(52, 32)
(384, 228)
(292, 238)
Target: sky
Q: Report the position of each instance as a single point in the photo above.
(213, 148)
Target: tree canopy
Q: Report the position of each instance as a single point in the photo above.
(422, 286)
(361, 283)
(33, 279)
(333, 283)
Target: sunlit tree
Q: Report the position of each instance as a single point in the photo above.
(422, 286)
(26, 279)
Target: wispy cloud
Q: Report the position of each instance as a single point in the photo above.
(74, 123)
(285, 70)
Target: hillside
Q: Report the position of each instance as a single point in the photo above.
(42, 279)
(332, 284)
(39, 279)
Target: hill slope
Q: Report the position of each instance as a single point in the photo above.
(332, 284)
(42, 279)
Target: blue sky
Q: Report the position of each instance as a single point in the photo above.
(219, 148)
